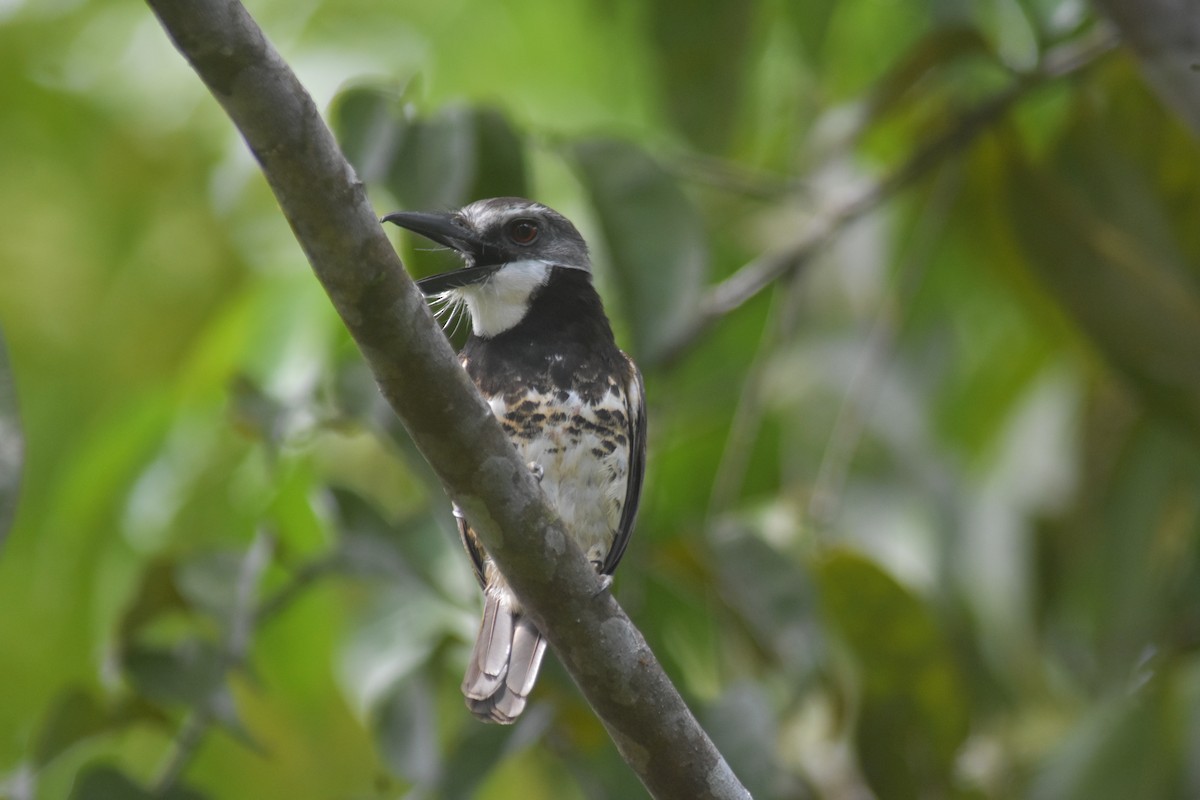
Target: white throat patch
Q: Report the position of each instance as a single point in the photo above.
(500, 302)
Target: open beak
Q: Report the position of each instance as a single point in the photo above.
(482, 259)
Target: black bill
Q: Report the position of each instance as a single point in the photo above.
(482, 259)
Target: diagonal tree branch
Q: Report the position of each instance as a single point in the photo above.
(413, 363)
(755, 276)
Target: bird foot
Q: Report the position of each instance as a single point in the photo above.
(606, 581)
(537, 470)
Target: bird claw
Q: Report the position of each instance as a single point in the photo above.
(537, 470)
(606, 582)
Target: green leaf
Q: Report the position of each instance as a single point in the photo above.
(500, 155)
(937, 49)
(773, 597)
(914, 709)
(459, 154)
(371, 123)
(75, 716)
(654, 237)
(406, 731)
(811, 23)
(702, 50)
(744, 726)
(435, 165)
(12, 444)
(1124, 747)
(78, 715)
(106, 782)
(474, 755)
(158, 594)
(192, 673)
(1127, 296)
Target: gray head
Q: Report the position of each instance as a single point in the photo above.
(509, 246)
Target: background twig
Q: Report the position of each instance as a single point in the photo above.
(755, 276)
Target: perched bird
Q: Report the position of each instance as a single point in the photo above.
(542, 353)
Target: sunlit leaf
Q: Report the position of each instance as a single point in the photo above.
(914, 708)
(654, 237)
(12, 444)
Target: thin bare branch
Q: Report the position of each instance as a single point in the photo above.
(757, 275)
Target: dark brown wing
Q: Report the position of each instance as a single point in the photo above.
(471, 545)
(635, 415)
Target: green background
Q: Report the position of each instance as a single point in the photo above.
(921, 519)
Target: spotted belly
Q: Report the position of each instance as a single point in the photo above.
(582, 449)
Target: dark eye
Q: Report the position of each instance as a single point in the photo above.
(522, 231)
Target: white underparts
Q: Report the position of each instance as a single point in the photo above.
(502, 300)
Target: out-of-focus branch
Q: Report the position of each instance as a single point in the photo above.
(1165, 37)
(455, 431)
(823, 228)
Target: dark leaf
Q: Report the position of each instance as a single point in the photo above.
(192, 673)
(702, 50)
(255, 413)
(1125, 747)
(406, 731)
(370, 545)
(435, 166)
(78, 715)
(811, 23)
(158, 594)
(773, 596)
(74, 717)
(106, 782)
(371, 123)
(12, 444)
(1129, 299)
(744, 726)
(654, 237)
(209, 582)
(500, 156)
(914, 708)
(473, 756)
(936, 49)
(1164, 36)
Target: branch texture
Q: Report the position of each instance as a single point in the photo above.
(416, 369)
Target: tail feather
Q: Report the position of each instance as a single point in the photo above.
(504, 662)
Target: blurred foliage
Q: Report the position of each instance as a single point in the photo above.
(921, 520)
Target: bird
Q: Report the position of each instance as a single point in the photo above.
(542, 353)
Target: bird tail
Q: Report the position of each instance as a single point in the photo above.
(504, 662)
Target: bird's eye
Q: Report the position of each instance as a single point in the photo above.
(522, 231)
